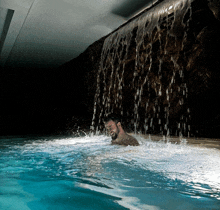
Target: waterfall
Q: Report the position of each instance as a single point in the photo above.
(142, 71)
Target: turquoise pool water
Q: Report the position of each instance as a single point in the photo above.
(41, 173)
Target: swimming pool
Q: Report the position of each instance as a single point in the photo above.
(88, 173)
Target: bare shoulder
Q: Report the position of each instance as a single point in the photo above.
(126, 140)
(133, 141)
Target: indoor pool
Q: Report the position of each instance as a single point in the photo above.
(43, 173)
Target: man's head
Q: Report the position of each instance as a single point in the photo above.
(113, 125)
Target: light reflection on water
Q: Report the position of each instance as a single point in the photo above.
(155, 175)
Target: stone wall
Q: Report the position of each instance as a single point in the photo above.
(170, 79)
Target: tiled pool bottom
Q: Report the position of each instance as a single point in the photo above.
(89, 173)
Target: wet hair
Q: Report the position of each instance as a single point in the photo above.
(113, 117)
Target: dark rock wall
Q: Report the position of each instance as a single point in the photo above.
(169, 76)
(81, 84)
(214, 6)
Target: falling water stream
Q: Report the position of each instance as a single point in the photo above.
(153, 85)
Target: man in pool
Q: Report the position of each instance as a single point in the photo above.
(117, 133)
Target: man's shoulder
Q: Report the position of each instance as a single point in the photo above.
(126, 140)
(133, 141)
